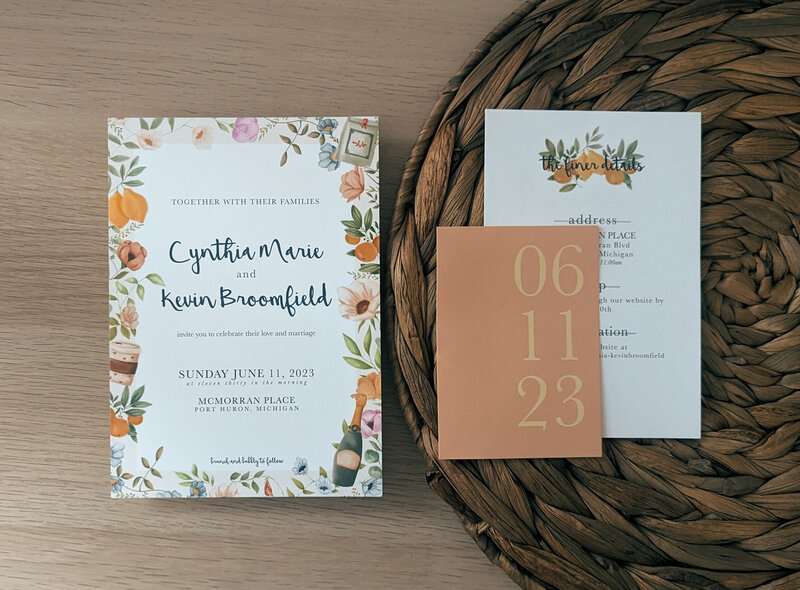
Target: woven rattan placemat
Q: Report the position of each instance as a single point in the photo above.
(721, 512)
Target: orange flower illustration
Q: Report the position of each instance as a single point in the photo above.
(370, 385)
(352, 184)
(201, 137)
(132, 254)
(360, 300)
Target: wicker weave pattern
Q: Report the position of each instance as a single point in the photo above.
(722, 512)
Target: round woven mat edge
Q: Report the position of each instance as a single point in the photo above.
(420, 410)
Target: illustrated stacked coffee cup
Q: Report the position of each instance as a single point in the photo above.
(124, 358)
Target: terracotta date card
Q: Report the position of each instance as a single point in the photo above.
(244, 307)
(518, 363)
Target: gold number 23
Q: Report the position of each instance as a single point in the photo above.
(577, 384)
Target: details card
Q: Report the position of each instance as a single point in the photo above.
(637, 176)
(518, 367)
(244, 307)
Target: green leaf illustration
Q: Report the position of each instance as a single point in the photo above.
(133, 183)
(371, 456)
(375, 472)
(194, 470)
(298, 483)
(357, 363)
(160, 450)
(378, 358)
(370, 268)
(140, 291)
(155, 279)
(289, 493)
(351, 345)
(171, 123)
(322, 471)
(235, 475)
(156, 122)
(567, 187)
(356, 216)
(143, 124)
(551, 149)
(137, 395)
(113, 139)
(344, 429)
(131, 145)
(124, 399)
(368, 340)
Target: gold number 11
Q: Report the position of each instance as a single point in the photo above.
(531, 338)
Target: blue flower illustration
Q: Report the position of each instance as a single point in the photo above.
(198, 490)
(117, 453)
(116, 484)
(372, 487)
(167, 494)
(300, 466)
(327, 158)
(326, 126)
(324, 485)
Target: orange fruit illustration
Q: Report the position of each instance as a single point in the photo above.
(351, 239)
(561, 176)
(366, 252)
(115, 214)
(377, 243)
(134, 205)
(135, 420)
(615, 176)
(119, 427)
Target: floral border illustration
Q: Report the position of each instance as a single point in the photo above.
(129, 142)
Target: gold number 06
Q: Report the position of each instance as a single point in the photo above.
(557, 269)
(572, 397)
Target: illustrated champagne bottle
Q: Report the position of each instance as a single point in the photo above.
(348, 455)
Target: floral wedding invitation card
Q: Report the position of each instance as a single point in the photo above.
(517, 353)
(244, 307)
(636, 176)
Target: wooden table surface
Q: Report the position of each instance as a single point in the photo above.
(64, 67)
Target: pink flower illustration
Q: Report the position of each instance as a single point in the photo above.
(352, 184)
(371, 423)
(201, 137)
(149, 139)
(360, 300)
(128, 317)
(245, 129)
